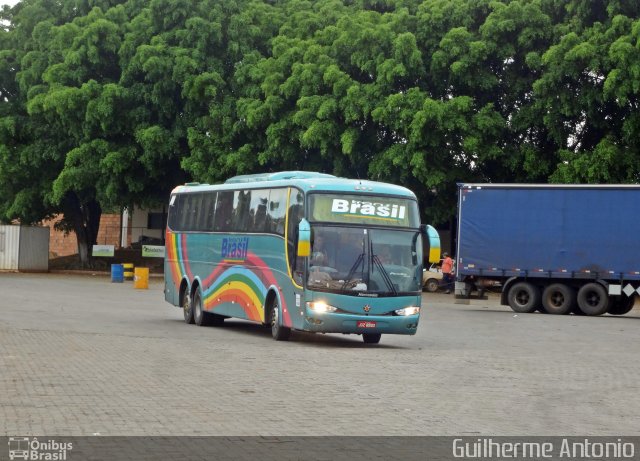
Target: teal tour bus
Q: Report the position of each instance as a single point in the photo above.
(298, 251)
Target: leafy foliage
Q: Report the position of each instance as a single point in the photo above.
(111, 103)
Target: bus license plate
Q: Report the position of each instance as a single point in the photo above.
(366, 324)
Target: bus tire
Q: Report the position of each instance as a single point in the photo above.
(200, 317)
(524, 297)
(371, 338)
(593, 299)
(620, 305)
(186, 305)
(278, 331)
(558, 299)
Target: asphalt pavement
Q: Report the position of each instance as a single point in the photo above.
(80, 355)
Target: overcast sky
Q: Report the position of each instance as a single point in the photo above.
(8, 2)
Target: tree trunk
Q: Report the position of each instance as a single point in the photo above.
(84, 219)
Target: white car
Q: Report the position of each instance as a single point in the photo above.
(431, 278)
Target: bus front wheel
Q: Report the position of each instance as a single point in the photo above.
(371, 338)
(278, 331)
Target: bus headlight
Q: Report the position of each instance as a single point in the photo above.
(411, 310)
(321, 306)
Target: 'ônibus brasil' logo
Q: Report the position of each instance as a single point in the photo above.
(234, 248)
(364, 209)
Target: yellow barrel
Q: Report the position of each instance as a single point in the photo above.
(128, 271)
(141, 278)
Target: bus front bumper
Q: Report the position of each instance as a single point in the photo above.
(358, 324)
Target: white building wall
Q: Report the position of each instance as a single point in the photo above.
(139, 220)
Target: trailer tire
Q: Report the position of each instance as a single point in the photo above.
(576, 310)
(558, 299)
(620, 305)
(524, 297)
(593, 299)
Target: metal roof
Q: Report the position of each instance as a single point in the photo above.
(306, 180)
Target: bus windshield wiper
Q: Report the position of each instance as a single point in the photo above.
(385, 274)
(352, 271)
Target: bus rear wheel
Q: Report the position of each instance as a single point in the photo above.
(185, 303)
(371, 338)
(202, 317)
(278, 331)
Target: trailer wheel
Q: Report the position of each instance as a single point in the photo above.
(576, 310)
(524, 297)
(593, 299)
(558, 299)
(620, 305)
(431, 285)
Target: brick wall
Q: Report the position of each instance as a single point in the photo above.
(65, 245)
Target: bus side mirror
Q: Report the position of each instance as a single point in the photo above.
(433, 238)
(304, 238)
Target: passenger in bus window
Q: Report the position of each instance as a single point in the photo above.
(350, 248)
(384, 255)
(319, 278)
(318, 253)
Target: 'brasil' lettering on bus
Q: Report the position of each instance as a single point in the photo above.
(368, 208)
(235, 248)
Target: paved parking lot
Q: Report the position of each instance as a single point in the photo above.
(81, 356)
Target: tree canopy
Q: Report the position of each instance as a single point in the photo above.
(111, 103)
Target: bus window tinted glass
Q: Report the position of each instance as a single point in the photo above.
(276, 211)
(187, 212)
(174, 212)
(242, 220)
(224, 211)
(208, 211)
(258, 209)
(197, 219)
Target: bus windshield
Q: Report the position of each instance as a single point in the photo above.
(360, 261)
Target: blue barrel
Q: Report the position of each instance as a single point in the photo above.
(117, 273)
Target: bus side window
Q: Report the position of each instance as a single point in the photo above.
(209, 210)
(276, 211)
(185, 212)
(241, 215)
(259, 203)
(197, 222)
(224, 211)
(175, 210)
